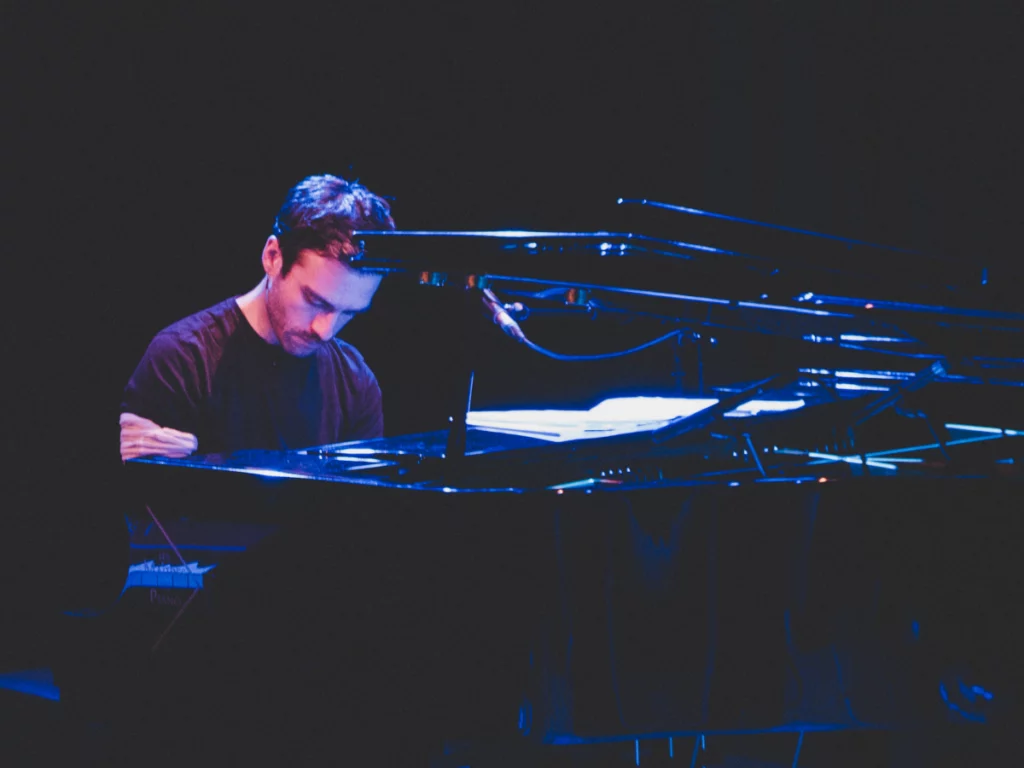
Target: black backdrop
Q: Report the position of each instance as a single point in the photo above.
(148, 148)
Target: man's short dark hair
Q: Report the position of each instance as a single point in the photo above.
(321, 212)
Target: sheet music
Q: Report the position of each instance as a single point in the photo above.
(615, 416)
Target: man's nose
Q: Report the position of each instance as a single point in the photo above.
(325, 325)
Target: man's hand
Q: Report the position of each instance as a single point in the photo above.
(142, 437)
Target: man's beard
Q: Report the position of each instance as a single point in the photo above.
(293, 342)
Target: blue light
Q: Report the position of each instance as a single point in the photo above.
(512, 233)
(267, 472)
(526, 713)
(978, 718)
(858, 337)
(973, 428)
(908, 307)
(820, 312)
(707, 248)
(873, 375)
(861, 387)
(148, 574)
(32, 682)
(887, 464)
(987, 430)
(931, 446)
(827, 457)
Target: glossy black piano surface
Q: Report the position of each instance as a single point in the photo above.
(799, 589)
(762, 448)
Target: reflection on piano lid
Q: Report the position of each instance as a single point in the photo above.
(614, 416)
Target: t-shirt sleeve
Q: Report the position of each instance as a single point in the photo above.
(164, 387)
(368, 416)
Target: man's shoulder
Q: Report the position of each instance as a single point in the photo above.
(174, 373)
(209, 327)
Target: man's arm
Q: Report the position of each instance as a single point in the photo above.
(368, 419)
(160, 406)
(142, 437)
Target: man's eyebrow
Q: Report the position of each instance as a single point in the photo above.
(316, 298)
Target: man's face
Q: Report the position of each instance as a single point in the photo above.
(315, 300)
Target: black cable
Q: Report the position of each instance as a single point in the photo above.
(603, 356)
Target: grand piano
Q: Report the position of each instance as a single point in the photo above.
(818, 532)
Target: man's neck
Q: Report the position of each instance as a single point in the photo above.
(254, 307)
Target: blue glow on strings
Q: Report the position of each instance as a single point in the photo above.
(873, 375)
(861, 387)
(930, 446)
(849, 459)
(988, 430)
(820, 312)
(881, 339)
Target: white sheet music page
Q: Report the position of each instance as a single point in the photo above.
(615, 416)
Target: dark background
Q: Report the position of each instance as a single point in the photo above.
(148, 147)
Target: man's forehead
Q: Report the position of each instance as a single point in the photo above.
(332, 282)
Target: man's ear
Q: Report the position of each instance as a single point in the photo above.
(273, 260)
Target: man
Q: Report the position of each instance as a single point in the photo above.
(264, 370)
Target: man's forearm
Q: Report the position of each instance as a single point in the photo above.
(142, 437)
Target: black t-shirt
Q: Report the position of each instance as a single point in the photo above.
(212, 375)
